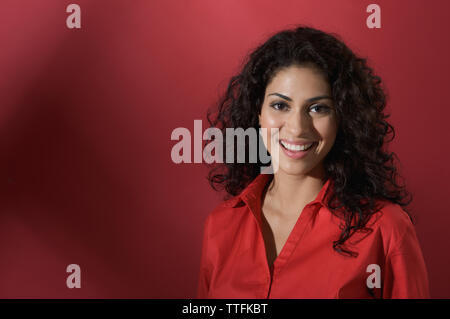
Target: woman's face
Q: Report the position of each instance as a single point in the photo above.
(298, 103)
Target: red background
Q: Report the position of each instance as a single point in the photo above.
(86, 117)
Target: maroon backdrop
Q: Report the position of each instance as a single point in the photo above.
(86, 117)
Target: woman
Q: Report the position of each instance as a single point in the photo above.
(331, 221)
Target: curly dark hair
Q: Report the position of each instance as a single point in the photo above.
(359, 164)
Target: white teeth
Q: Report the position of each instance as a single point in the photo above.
(292, 147)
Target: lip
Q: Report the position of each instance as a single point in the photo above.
(297, 154)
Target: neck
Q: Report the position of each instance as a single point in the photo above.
(290, 192)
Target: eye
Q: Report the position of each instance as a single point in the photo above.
(322, 108)
(280, 106)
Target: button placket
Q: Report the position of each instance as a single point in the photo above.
(294, 238)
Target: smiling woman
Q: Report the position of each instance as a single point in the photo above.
(303, 118)
(333, 209)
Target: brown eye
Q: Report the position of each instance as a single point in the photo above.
(280, 106)
(320, 108)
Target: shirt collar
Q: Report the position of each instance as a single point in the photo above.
(251, 195)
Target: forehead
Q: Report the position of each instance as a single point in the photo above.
(297, 81)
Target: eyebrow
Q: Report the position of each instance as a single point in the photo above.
(320, 97)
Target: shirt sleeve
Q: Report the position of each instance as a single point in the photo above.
(205, 266)
(405, 272)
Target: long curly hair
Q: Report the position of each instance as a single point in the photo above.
(361, 168)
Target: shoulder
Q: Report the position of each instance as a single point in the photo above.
(392, 217)
(224, 213)
(394, 225)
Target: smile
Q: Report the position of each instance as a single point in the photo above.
(296, 151)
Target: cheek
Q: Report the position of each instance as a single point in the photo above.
(269, 120)
(327, 129)
(272, 123)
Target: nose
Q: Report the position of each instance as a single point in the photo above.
(297, 122)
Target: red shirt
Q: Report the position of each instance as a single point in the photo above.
(234, 262)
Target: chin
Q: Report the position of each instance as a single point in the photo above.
(294, 169)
